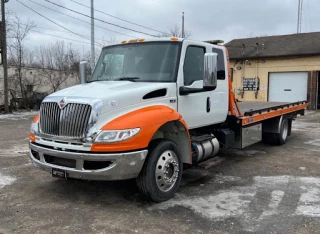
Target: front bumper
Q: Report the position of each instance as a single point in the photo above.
(122, 165)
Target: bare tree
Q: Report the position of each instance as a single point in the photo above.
(58, 63)
(18, 54)
(175, 31)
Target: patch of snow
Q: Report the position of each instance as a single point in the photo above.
(302, 168)
(276, 198)
(314, 150)
(303, 126)
(15, 151)
(270, 181)
(18, 115)
(309, 204)
(6, 180)
(300, 129)
(223, 205)
(310, 181)
(17, 166)
(315, 142)
(223, 179)
(272, 194)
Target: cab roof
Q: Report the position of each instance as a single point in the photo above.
(215, 42)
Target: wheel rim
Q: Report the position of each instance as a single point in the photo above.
(285, 130)
(167, 170)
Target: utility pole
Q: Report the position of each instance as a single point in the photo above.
(92, 37)
(300, 4)
(4, 56)
(182, 31)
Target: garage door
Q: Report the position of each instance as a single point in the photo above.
(288, 86)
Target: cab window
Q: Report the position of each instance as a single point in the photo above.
(221, 72)
(193, 68)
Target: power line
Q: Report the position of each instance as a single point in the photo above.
(100, 19)
(54, 30)
(118, 18)
(55, 22)
(42, 27)
(80, 19)
(60, 37)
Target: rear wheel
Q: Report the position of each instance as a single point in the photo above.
(161, 174)
(277, 138)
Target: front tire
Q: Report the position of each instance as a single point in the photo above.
(161, 174)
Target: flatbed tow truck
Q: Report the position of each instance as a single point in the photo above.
(149, 108)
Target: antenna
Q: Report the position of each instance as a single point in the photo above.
(92, 37)
(300, 4)
(182, 26)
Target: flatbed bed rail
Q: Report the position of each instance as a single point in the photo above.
(268, 109)
(256, 115)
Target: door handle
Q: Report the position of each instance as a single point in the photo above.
(208, 104)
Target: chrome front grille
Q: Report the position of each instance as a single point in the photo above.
(71, 121)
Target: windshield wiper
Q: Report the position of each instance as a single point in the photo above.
(90, 81)
(128, 78)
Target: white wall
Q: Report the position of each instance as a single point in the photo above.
(35, 76)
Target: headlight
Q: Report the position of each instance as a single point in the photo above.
(116, 135)
(34, 129)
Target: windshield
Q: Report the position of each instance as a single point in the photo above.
(140, 62)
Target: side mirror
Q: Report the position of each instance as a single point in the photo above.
(83, 72)
(210, 71)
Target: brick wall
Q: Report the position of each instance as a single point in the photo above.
(312, 89)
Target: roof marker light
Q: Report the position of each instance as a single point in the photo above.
(141, 40)
(123, 42)
(174, 39)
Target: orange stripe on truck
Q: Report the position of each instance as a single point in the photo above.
(32, 137)
(36, 118)
(148, 119)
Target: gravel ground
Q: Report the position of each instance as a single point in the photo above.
(261, 189)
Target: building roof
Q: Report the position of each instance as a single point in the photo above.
(302, 44)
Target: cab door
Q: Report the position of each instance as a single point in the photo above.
(202, 108)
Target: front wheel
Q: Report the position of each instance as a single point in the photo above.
(161, 173)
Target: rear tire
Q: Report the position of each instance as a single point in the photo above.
(277, 138)
(161, 173)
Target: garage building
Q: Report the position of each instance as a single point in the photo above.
(282, 68)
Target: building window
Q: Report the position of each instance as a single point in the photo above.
(29, 88)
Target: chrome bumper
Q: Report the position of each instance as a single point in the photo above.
(123, 166)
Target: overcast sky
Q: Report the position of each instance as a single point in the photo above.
(206, 19)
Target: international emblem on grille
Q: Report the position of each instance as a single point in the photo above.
(62, 104)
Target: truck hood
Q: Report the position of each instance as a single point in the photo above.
(118, 94)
